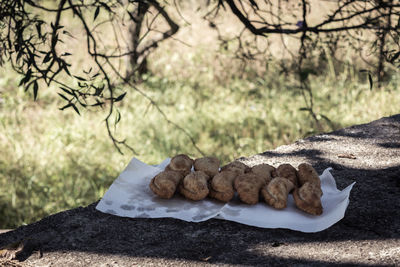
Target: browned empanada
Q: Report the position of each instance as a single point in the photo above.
(287, 171)
(194, 186)
(276, 192)
(307, 173)
(236, 166)
(221, 186)
(180, 163)
(248, 186)
(308, 198)
(164, 184)
(209, 165)
(263, 171)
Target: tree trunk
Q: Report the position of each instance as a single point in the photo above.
(137, 61)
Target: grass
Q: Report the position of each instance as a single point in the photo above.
(53, 160)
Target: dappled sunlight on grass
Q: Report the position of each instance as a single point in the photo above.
(52, 160)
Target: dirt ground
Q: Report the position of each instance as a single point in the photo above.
(369, 234)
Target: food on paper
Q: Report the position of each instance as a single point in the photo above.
(307, 173)
(274, 184)
(237, 167)
(180, 163)
(277, 191)
(308, 198)
(221, 186)
(195, 185)
(248, 186)
(287, 171)
(165, 183)
(209, 165)
(264, 171)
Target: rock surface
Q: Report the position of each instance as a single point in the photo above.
(369, 234)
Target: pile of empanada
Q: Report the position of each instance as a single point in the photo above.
(208, 179)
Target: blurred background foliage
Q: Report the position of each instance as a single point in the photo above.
(231, 104)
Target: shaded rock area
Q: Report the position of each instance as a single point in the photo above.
(369, 234)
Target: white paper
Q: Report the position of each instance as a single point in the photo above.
(130, 196)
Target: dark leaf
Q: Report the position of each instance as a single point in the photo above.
(370, 81)
(47, 57)
(119, 98)
(74, 93)
(94, 76)
(304, 109)
(306, 37)
(132, 16)
(80, 78)
(118, 118)
(66, 54)
(39, 29)
(394, 57)
(87, 72)
(28, 75)
(66, 106)
(67, 33)
(82, 85)
(35, 89)
(22, 82)
(27, 86)
(64, 66)
(76, 109)
(98, 103)
(67, 91)
(63, 96)
(98, 90)
(96, 13)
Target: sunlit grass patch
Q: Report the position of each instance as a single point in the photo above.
(53, 160)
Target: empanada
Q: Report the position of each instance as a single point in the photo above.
(221, 186)
(248, 186)
(263, 171)
(180, 163)
(308, 198)
(237, 167)
(276, 192)
(287, 171)
(307, 173)
(165, 183)
(209, 165)
(194, 186)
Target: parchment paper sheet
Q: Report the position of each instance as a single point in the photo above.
(130, 196)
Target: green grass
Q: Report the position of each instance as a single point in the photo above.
(53, 160)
